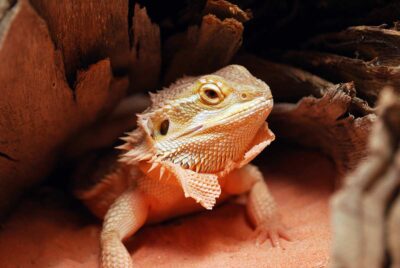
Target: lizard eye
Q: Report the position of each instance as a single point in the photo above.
(211, 94)
(164, 127)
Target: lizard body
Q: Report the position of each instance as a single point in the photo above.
(191, 150)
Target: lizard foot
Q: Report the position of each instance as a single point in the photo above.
(274, 230)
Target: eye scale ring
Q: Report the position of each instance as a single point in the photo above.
(210, 93)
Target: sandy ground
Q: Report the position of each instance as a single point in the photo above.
(50, 230)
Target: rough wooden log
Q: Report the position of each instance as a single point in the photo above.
(363, 212)
(4, 6)
(224, 9)
(287, 83)
(146, 52)
(38, 110)
(337, 123)
(86, 32)
(393, 234)
(204, 49)
(367, 55)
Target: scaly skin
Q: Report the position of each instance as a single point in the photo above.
(191, 149)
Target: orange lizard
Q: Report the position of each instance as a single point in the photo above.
(191, 150)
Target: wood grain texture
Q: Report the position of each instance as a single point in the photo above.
(287, 83)
(145, 56)
(365, 210)
(224, 9)
(367, 55)
(38, 110)
(337, 123)
(86, 32)
(205, 48)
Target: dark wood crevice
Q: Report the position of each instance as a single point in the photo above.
(367, 55)
(7, 157)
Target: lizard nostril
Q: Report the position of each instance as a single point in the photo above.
(243, 96)
(164, 127)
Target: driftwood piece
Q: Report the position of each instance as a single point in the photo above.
(367, 55)
(365, 42)
(338, 123)
(363, 212)
(393, 224)
(224, 9)
(287, 83)
(4, 6)
(146, 52)
(38, 110)
(204, 49)
(86, 32)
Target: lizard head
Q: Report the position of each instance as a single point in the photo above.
(206, 124)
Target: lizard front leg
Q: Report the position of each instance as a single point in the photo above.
(125, 216)
(261, 206)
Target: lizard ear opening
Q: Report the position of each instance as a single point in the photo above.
(155, 128)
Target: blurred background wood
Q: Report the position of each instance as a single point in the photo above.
(364, 211)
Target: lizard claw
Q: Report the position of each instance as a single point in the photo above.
(274, 230)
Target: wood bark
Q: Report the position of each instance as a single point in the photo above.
(287, 83)
(85, 32)
(367, 55)
(205, 48)
(365, 210)
(224, 9)
(145, 55)
(334, 123)
(39, 111)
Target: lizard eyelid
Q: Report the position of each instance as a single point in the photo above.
(210, 93)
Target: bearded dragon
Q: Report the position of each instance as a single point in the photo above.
(190, 151)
